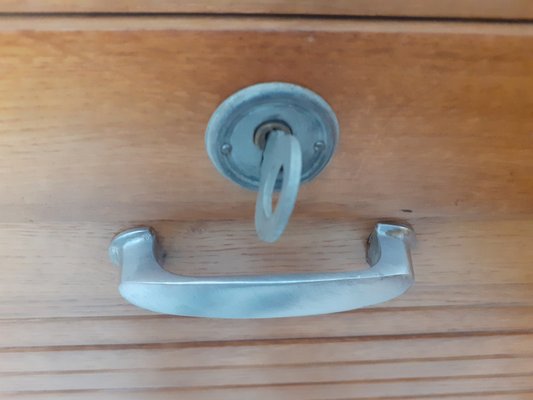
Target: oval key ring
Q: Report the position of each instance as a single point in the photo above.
(282, 154)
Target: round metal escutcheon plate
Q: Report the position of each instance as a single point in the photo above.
(231, 129)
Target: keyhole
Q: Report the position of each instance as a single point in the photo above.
(263, 131)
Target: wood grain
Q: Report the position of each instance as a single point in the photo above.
(113, 331)
(256, 23)
(403, 389)
(268, 375)
(102, 125)
(183, 356)
(61, 269)
(65, 333)
(101, 129)
(497, 9)
(377, 365)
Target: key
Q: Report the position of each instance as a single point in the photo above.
(282, 155)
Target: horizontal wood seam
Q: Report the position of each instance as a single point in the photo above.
(377, 310)
(297, 384)
(270, 366)
(261, 342)
(230, 23)
(443, 395)
(344, 17)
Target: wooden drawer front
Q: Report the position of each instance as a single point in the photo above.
(102, 127)
(105, 126)
(483, 9)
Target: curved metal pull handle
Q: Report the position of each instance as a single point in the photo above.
(147, 285)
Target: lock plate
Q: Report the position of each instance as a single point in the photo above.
(230, 136)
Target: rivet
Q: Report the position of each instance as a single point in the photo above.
(226, 148)
(319, 146)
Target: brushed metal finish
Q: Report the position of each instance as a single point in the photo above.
(146, 284)
(283, 155)
(230, 135)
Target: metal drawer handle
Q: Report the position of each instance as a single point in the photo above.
(146, 284)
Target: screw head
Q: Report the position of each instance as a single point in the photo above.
(226, 148)
(319, 146)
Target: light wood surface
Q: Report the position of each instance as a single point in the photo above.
(101, 129)
(61, 270)
(325, 380)
(110, 125)
(520, 386)
(284, 352)
(259, 24)
(493, 9)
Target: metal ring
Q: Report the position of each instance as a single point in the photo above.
(282, 153)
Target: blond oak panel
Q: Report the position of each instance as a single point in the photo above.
(184, 367)
(183, 356)
(232, 23)
(171, 395)
(497, 395)
(62, 270)
(266, 375)
(134, 330)
(498, 9)
(354, 390)
(102, 128)
(101, 125)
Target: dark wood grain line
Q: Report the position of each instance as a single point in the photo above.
(293, 384)
(439, 396)
(262, 342)
(375, 310)
(275, 365)
(494, 9)
(237, 15)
